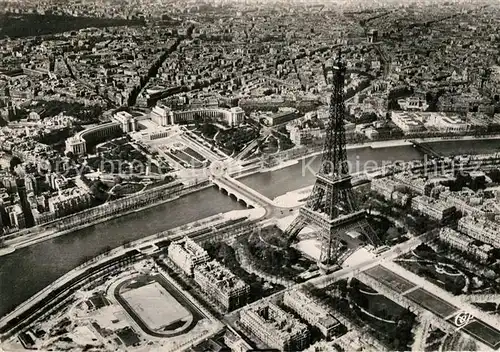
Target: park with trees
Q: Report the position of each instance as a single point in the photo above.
(226, 255)
(268, 250)
(370, 311)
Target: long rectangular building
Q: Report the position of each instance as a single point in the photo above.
(221, 284)
(186, 253)
(433, 208)
(465, 243)
(275, 327)
(481, 229)
(309, 310)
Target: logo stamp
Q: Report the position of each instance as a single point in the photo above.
(462, 319)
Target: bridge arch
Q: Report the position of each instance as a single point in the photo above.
(238, 193)
(233, 196)
(248, 205)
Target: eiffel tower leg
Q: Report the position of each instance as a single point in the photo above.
(371, 235)
(295, 227)
(329, 247)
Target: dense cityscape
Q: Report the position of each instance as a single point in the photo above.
(216, 175)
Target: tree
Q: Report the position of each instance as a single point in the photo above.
(123, 155)
(15, 161)
(367, 117)
(197, 119)
(98, 190)
(342, 286)
(273, 142)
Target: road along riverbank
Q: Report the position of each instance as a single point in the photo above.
(30, 269)
(97, 217)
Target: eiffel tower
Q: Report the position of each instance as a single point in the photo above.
(331, 207)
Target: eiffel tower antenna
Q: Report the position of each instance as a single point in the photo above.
(331, 207)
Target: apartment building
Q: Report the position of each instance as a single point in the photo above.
(465, 244)
(221, 284)
(390, 190)
(433, 208)
(481, 229)
(186, 253)
(304, 305)
(275, 327)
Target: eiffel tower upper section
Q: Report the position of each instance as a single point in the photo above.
(332, 193)
(334, 152)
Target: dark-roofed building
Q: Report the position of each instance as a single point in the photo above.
(221, 284)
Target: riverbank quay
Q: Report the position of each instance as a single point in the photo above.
(472, 163)
(102, 213)
(22, 276)
(109, 211)
(290, 157)
(104, 265)
(167, 193)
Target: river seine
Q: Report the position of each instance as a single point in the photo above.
(30, 269)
